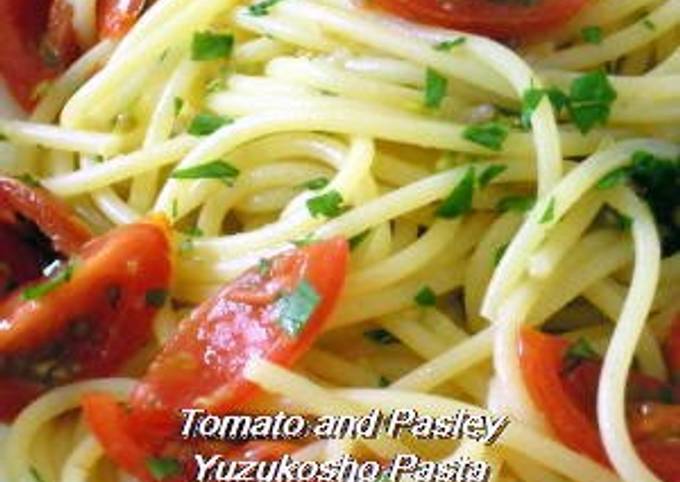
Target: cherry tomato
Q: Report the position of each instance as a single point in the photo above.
(672, 349)
(202, 365)
(39, 41)
(495, 18)
(567, 396)
(90, 317)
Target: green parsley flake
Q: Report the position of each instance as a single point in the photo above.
(530, 100)
(623, 222)
(383, 382)
(549, 213)
(264, 266)
(205, 124)
(262, 8)
(581, 350)
(499, 253)
(220, 170)
(381, 337)
(57, 278)
(435, 88)
(316, 183)
(297, 307)
(187, 243)
(355, 241)
(28, 180)
(162, 468)
(448, 45)
(425, 297)
(491, 135)
(520, 204)
(490, 173)
(178, 104)
(592, 35)
(211, 46)
(648, 24)
(590, 99)
(329, 204)
(614, 178)
(156, 297)
(459, 201)
(35, 475)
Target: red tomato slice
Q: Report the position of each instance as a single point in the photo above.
(88, 325)
(116, 17)
(39, 42)
(567, 396)
(542, 361)
(54, 218)
(202, 364)
(495, 18)
(109, 423)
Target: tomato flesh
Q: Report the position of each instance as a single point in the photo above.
(496, 18)
(567, 396)
(202, 365)
(89, 325)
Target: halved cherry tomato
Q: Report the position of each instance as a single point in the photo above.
(202, 365)
(496, 18)
(39, 41)
(86, 326)
(567, 396)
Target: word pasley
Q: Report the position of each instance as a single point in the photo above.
(480, 427)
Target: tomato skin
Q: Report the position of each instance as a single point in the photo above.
(202, 364)
(15, 394)
(506, 20)
(54, 218)
(90, 325)
(567, 396)
(109, 423)
(116, 17)
(541, 362)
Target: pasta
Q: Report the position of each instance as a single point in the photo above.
(334, 91)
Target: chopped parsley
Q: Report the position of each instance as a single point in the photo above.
(499, 253)
(3, 137)
(520, 204)
(355, 241)
(262, 8)
(614, 178)
(35, 475)
(316, 183)
(296, 308)
(305, 241)
(220, 170)
(435, 88)
(57, 276)
(156, 297)
(178, 104)
(28, 180)
(383, 382)
(590, 99)
(491, 135)
(211, 46)
(264, 266)
(623, 221)
(425, 297)
(532, 98)
(549, 213)
(188, 243)
(205, 124)
(459, 201)
(381, 337)
(648, 24)
(162, 468)
(592, 35)
(329, 204)
(448, 45)
(581, 350)
(490, 173)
